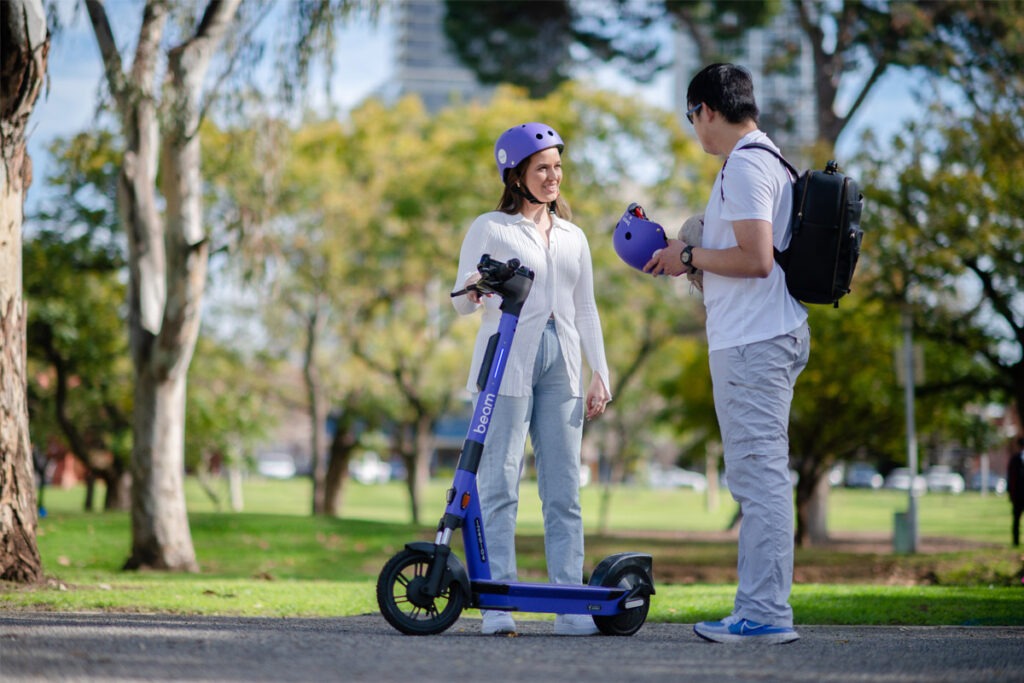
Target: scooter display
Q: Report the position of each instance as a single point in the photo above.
(423, 589)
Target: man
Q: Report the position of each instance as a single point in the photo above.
(758, 343)
(1015, 487)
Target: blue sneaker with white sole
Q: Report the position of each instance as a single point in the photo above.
(736, 630)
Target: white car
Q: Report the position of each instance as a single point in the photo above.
(370, 469)
(900, 480)
(993, 483)
(276, 465)
(862, 476)
(943, 479)
(661, 477)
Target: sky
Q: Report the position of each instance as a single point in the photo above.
(365, 61)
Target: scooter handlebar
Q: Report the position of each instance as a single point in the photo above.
(494, 274)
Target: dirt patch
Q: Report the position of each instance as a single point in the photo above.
(710, 557)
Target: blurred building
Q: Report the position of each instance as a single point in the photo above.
(424, 64)
(781, 61)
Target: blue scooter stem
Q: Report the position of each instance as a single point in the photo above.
(463, 501)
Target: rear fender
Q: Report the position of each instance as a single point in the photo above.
(611, 565)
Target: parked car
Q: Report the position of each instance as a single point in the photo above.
(900, 479)
(863, 476)
(276, 465)
(942, 479)
(659, 476)
(370, 469)
(992, 483)
(836, 475)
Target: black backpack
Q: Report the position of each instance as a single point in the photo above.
(826, 235)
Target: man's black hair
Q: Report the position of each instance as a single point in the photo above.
(726, 88)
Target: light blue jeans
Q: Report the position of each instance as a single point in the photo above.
(753, 389)
(553, 418)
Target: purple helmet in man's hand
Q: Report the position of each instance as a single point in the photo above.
(636, 238)
(519, 142)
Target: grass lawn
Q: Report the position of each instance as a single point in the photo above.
(274, 559)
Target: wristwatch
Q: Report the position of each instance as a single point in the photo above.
(686, 256)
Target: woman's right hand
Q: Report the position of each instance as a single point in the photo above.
(472, 294)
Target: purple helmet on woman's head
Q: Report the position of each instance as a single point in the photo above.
(636, 238)
(519, 142)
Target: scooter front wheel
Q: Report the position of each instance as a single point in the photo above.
(404, 603)
(629, 622)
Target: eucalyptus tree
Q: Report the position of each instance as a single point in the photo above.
(168, 252)
(160, 202)
(26, 43)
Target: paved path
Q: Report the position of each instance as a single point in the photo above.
(114, 647)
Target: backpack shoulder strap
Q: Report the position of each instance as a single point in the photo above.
(757, 145)
(782, 257)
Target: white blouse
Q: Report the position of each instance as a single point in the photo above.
(563, 287)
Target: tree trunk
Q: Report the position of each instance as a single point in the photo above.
(342, 446)
(311, 377)
(26, 44)
(119, 488)
(812, 502)
(816, 519)
(408, 455)
(421, 475)
(161, 538)
(168, 261)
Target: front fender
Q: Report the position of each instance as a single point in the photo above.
(455, 572)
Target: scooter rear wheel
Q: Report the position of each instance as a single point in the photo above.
(403, 603)
(629, 622)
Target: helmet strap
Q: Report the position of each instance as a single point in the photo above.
(525, 193)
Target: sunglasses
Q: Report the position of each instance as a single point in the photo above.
(692, 111)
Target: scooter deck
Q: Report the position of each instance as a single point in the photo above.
(548, 597)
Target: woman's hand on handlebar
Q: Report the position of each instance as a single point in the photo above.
(472, 293)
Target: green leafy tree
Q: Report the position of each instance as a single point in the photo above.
(950, 247)
(75, 262)
(77, 344)
(234, 403)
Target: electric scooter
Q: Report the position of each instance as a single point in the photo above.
(423, 589)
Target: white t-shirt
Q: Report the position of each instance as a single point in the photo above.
(563, 287)
(755, 186)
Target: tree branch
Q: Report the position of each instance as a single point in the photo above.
(999, 302)
(108, 49)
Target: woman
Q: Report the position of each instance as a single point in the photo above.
(541, 392)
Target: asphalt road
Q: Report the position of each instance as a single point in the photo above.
(117, 647)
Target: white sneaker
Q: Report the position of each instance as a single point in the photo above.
(497, 623)
(575, 625)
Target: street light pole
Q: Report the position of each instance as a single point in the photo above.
(909, 380)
